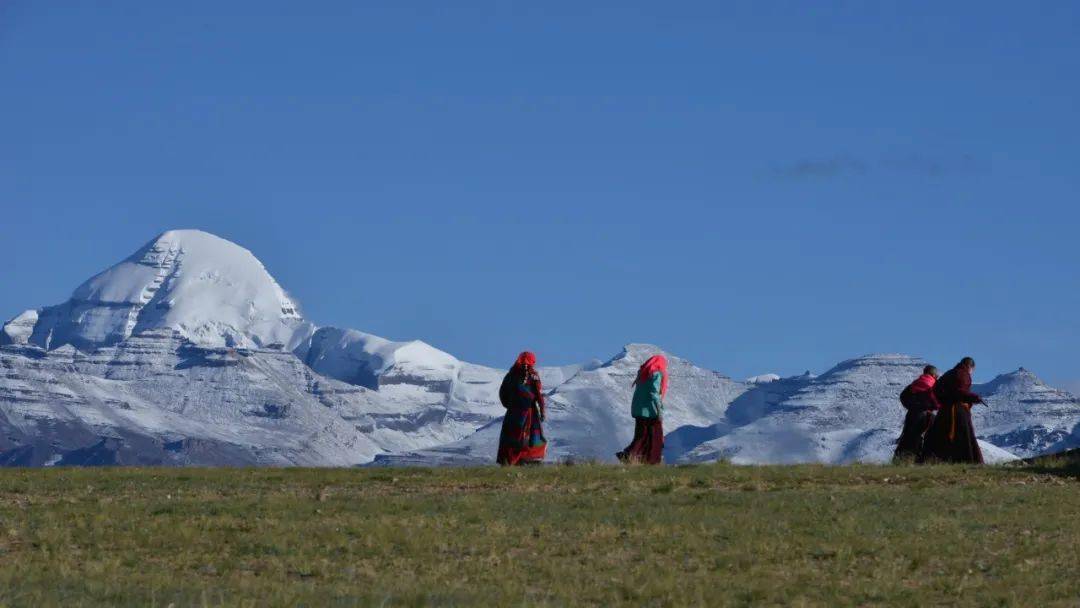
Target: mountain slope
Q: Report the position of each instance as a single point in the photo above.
(852, 413)
(588, 415)
(189, 352)
(158, 399)
(1027, 415)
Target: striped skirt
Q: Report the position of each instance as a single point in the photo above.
(522, 439)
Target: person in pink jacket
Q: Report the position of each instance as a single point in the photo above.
(918, 398)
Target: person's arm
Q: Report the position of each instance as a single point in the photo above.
(655, 383)
(932, 400)
(963, 390)
(539, 388)
(505, 396)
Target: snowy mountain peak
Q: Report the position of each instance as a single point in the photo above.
(637, 353)
(1024, 374)
(189, 352)
(1020, 380)
(19, 329)
(877, 364)
(206, 289)
(359, 358)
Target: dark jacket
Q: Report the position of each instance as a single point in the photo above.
(522, 389)
(955, 387)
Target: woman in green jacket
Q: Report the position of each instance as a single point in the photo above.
(647, 408)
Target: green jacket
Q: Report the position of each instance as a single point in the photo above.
(647, 401)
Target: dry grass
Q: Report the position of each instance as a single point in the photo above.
(584, 535)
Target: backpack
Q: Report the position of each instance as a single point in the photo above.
(510, 390)
(910, 400)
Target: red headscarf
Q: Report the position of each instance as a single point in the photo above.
(655, 363)
(525, 358)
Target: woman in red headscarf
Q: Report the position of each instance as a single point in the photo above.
(647, 408)
(522, 439)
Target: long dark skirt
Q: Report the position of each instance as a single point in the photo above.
(951, 437)
(522, 439)
(910, 444)
(648, 444)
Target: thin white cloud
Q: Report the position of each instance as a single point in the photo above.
(845, 166)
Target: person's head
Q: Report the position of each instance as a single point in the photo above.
(652, 365)
(525, 360)
(930, 370)
(968, 363)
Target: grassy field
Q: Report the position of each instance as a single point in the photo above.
(560, 535)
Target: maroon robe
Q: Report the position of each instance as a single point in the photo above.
(647, 446)
(918, 399)
(951, 437)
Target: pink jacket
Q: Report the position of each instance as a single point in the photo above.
(922, 390)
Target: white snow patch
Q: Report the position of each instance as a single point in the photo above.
(188, 352)
(210, 291)
(19, 329)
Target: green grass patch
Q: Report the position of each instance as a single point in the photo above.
(547, 536)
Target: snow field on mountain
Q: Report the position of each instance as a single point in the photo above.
(189, 352)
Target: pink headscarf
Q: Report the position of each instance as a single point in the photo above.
(655, 363)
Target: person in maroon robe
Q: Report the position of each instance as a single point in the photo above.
(951, 437)
(918, 399)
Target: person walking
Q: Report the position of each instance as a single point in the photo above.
(951, 437)
(522, 438)
(918, 399)
(647, 408)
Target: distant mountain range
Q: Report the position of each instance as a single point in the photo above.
(190, 353)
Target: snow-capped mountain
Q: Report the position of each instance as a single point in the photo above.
(850, 413)
(189, 352)
(209, 290)
(1026, 415)
(588, 415)
(156, 398)
(184, 353)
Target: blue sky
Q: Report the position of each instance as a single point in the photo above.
(756, 186)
